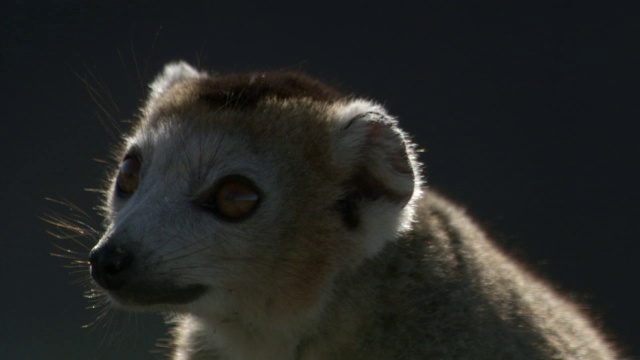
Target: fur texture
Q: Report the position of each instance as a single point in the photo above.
(341, 252)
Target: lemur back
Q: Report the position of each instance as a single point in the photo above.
(276, 218)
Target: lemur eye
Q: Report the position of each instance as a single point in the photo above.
(128, 176)
(234, 198)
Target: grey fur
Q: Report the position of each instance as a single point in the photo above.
(346, 256)
(443, 291)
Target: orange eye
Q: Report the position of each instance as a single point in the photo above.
(128, 176)
(234, 198)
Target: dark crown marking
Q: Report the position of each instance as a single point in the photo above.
(238, 91)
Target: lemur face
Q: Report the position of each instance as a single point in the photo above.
(253, 191)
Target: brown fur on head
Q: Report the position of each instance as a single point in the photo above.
(335, 174)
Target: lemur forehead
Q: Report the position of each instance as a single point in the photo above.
(279, 105)
(271, 106)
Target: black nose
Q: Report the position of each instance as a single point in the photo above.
(110, 266)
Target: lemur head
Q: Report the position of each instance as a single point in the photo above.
(251, 192)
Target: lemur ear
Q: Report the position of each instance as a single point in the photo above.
(173, 73)
(382, 175)
(376, 153)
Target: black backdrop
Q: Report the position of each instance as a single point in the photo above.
(528, 114)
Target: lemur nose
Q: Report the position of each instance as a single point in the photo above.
(110, 266)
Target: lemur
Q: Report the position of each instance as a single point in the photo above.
(275, 218)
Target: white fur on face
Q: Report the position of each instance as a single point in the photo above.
(176, 240)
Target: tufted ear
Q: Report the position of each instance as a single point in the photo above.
(383, 175)
(377, 154)
(173, 73)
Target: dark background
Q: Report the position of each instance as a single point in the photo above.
(528, 114)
